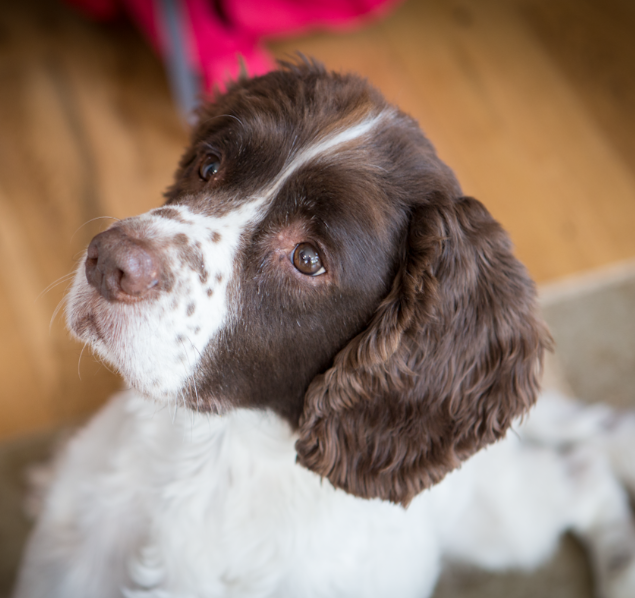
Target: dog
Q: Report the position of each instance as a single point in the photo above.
(326, 343)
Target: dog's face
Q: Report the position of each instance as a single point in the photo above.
(315, 258)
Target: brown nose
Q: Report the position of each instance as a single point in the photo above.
(121, 268)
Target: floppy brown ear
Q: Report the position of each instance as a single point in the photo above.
(451, 357)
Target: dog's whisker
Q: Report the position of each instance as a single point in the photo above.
(56, 311)
(79, 361)
(176, 410)
(192, 376)
(103, 363)
(191, 380)
(59, 281)
(175, 403)
(93, 220)
(191, 424)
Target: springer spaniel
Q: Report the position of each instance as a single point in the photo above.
(319, 331)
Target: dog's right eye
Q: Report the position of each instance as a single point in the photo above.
(210, 165)
(307, 260)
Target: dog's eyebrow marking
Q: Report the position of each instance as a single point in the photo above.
(321, 147)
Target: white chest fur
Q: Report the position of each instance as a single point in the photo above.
(158, 504)
(149, 504)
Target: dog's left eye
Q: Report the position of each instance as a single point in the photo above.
(307, 260)
(210, 166)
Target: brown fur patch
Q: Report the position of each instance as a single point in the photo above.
(170, 214)
(190, 256)
(425, 344)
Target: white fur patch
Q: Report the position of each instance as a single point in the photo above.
(157, 344)
(157, 505)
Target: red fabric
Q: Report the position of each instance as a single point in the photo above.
(216, 46)
(283, 17)
(219, 30)
(100, 10)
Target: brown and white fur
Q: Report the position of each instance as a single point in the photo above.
(298, 433)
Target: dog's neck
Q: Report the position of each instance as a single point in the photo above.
(252, 428)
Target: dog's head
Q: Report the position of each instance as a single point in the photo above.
(316, 258)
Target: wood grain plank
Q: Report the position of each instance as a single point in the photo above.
(593, 44)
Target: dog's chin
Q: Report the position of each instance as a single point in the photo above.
(117, 340)
(142, 366)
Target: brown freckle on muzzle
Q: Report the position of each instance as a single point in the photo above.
(191, 308)
(170, 214)
(210, 292)
(215, 237)
(86, 324)
(190, 256)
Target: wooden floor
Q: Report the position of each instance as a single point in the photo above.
(530, 101)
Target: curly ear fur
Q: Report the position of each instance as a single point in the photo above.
(451, 357)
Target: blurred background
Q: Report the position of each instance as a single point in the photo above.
(531, 102)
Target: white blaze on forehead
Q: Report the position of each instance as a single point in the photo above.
(322, 147)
